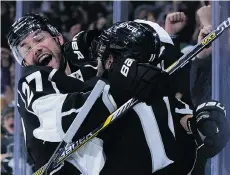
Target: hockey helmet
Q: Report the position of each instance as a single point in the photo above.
(23, 27)
(130, 39)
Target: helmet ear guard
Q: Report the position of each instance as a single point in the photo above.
(156, 42)
(163, 35)
(165, 39)
(100, 48)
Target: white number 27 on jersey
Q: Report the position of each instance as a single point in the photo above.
(38, 85)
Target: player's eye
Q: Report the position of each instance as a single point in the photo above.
(27, 50)
(39, 38)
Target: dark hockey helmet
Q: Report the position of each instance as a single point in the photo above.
(23, 27)
(128, 39)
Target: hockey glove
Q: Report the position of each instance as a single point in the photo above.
(210, 128)
(77, 50)
(128, 78)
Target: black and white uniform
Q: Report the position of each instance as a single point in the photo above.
(48, 101)
(150, 140)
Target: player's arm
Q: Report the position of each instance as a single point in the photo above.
(175, 22)
(209, 126)
(129, 78)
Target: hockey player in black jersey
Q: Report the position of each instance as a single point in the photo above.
(39, 100)
(169, 136)
(39, 48)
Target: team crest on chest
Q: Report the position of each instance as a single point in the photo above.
(77, 75)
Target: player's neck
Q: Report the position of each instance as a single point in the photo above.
(67, 70)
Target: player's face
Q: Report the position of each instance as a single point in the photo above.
(100, 68)
(40, 48)
(109, 62)
(8, 122)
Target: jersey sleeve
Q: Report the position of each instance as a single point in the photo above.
(179, 109)
(182, 108)
(181, 78)
(55, 99)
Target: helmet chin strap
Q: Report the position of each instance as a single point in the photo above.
(63, 63)
(63, 60)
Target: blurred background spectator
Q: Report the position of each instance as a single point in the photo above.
(7, 140)
(7, 143)
(7, 78)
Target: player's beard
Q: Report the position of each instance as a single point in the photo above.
(58, 60)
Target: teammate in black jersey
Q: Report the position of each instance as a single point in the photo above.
(48, 105)
(130, 153)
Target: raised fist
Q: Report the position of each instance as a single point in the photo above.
(175, 22)
(205, 15)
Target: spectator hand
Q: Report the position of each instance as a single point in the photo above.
(3, 156)
(204, 32)
(205, 16)
(175, 22)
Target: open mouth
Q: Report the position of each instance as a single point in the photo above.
(45, 59)
(11, 126)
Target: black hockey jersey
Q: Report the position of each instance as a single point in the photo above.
(48, 102)
(150, 140)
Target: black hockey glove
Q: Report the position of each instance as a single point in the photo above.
(128, 78)
(77, 50)
(210, 128)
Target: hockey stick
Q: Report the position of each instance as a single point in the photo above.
(75, 125)
(60, 158)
